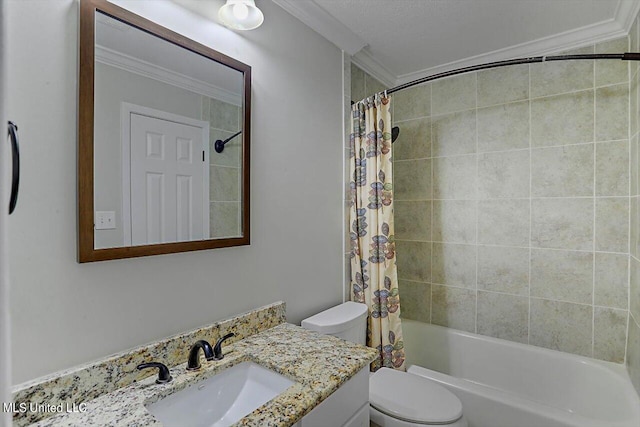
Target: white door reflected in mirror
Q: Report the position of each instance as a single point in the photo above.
(169, 181)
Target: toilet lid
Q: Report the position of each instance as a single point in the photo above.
(412, 398)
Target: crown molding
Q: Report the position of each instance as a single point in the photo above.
(549, 45)
(146, 69)
(329, 27)
(368, 63)
(324, 24)
(626, 13)
(619, 26)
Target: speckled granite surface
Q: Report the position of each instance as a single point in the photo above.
(90, 381)
(318, 364)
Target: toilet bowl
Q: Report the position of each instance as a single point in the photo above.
(396, 399)
(400, 399)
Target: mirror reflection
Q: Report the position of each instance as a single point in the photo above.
(158, 111)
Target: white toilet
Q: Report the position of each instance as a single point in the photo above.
(396, 399)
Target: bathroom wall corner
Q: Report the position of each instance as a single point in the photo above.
(632, 356)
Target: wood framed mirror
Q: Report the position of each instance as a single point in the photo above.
(163, 140)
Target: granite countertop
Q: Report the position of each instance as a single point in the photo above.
(317, 363)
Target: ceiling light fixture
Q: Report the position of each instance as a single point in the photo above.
(241, 15)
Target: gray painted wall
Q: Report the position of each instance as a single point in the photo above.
(75, 313)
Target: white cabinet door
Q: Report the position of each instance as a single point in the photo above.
(361, 418)
(344, 406)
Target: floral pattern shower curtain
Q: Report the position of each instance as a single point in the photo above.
(373, 259)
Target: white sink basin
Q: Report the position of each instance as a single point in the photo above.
(222, 399)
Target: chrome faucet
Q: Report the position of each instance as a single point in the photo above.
(193, 364)
(217, 350)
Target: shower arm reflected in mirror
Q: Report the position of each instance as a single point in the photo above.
(219, 144)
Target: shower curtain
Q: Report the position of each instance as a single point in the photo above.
(374, 279)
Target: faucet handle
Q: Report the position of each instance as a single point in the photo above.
(163, 373)
(217, 349)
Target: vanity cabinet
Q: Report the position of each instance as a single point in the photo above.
(347, 407)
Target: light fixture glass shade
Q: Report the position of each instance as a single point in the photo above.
(241, 15)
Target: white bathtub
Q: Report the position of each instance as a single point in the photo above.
(506, 384)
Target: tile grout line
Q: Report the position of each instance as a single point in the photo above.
(593, 243)
(530, 211)
(573, 92)
(543, 147)
(517, 198)
(492, 245)
(564, 301)
(630, 77)
(476, 201)
(432, 186)
(523, 100)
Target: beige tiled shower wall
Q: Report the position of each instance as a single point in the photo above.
(633, 344)
(225, 173)
(512, 204)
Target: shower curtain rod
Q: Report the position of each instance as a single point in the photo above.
(628, 56)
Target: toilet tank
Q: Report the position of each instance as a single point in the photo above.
(347, 321)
